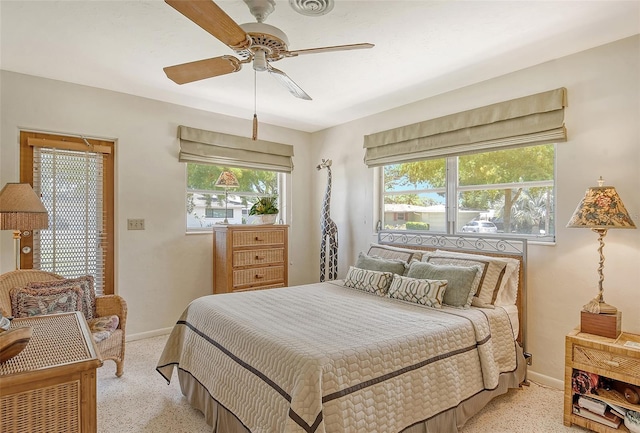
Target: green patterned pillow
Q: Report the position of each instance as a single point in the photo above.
(460, 280)
(368, 281)
(380, 264)
(424, 292)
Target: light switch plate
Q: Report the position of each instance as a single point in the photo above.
(135, 224)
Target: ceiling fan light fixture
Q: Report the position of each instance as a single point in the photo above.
(261, 9)
(260, 61)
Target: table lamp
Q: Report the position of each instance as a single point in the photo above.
(226, 180)
(21, 209)
(601, 209)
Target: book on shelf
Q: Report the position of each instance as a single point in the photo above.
(618, 410)
(592, 404)
(609, 418)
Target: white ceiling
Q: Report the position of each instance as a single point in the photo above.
(422, 48)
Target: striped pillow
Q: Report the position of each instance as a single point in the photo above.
(423, 292)
(369, 281)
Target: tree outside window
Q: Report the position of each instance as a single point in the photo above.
(512, 188)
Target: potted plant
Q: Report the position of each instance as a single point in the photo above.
(264, 210)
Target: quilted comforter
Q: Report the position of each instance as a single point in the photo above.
(324, 358)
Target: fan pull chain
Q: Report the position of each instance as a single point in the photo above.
(254, 137)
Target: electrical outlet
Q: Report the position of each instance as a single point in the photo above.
(135, 224)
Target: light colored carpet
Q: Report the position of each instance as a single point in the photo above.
(141, 401)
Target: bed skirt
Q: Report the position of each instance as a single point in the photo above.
(223, 421)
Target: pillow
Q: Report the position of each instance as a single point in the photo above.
(389, 252)
(423, 292)
(507, 290)
(379, 264)
(85, 283)
(102, 327)
(27, 302)
(460, 280)
(493, 271)
(368, 281)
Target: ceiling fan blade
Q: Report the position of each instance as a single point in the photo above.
(287, 82)
(328, 49)
(201, 69)
(209, 16)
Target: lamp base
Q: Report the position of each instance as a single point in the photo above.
(605, 325)
(598, 306)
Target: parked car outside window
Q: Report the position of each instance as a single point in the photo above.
(480, 227)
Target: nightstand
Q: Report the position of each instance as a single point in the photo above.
(610, 359)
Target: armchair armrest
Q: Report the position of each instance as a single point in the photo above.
(107, 305)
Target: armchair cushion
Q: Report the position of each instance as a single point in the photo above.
(27, 302)
(102, 327)
(85, 283)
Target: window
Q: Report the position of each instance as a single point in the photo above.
(506, 191)
(206, 206)
(74, 178)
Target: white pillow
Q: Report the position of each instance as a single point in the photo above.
(502, 273)
(389, 252)
(423, 292)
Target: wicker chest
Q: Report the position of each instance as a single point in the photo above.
(249, 257)
(51, 385)
(617, 364)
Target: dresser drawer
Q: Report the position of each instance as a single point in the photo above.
(256, 238)
(609, 361)
(258, 276)
(258, 257)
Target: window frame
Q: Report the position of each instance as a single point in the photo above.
(78, 143)
(452, 189)
(282, 180)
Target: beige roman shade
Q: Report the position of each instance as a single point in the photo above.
(208, 147)
(534, 119)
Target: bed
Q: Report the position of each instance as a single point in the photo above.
(334, 358)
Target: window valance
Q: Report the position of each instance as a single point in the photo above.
(208, 147)
(524, 121)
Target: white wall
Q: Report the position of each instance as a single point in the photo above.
(602, 120)
(161, 269)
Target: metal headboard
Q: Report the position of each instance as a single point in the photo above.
(478, 244)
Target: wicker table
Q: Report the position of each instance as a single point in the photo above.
(51, 385)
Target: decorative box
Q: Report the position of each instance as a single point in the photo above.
(605, 325)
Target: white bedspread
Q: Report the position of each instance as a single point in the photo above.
(325, 358)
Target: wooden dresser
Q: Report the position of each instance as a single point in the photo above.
(249, 257)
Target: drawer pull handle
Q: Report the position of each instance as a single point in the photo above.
(260, 257)
(259, 239)
(259, 276)
(612, 363)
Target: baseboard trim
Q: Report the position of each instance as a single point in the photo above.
(545, 380)
(149, 334)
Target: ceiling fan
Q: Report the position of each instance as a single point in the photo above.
(257, 43)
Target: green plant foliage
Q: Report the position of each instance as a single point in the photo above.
(265, 206)
(417, 225)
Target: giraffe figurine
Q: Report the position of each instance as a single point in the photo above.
(329, 230)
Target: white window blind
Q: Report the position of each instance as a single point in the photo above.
(70, 184)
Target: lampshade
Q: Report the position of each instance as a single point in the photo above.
(21, 208)
(227, 180)
(601, 208)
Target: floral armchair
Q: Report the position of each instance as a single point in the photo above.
(101, 309)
